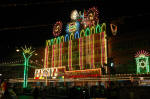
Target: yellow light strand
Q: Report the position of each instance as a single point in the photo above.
(93, 51)
(62, 39)
(89, 44)
(70, 54)
(91, 29)
(105, 47)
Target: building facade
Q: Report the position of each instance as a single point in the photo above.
(86, 49)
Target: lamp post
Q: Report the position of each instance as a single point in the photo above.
(27, 53)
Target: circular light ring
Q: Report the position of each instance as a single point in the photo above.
(57, 28)
(93, 14)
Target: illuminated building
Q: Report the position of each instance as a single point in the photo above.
(83, 50)
(89, 51)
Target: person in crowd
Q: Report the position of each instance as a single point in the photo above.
(43, 94)
(35, 93)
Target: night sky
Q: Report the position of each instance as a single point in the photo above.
(30, 22)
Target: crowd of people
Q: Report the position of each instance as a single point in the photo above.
(5, 91)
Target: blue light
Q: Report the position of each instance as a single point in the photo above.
(67, 28)
(67, 37)
(76, 35)
(77, 25)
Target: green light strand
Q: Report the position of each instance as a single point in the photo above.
(139, 66)
(27, 53)
(98, 28)
(87, 32)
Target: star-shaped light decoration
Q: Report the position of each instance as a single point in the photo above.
(28, 50)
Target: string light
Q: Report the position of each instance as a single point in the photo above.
(58, 40)
(63, 46)
(76, 35)
(83, 73)
(84, 32)
(27, 53)
(87, 32)
(81, 53)
(92, 51)
(62, 39)
(60, 54)
(67, 37)
(98, 28)
(53, 60)
(70, 55)
(92, 30)
(46, 56)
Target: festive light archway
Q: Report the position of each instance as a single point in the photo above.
(52, 41)
(48, 42)
(76, 35)
(67, 37)
(87, 32)
(58, 40)
(92, 30)
(62, 39)
(71, 36)
(82, 33)
(98, 28)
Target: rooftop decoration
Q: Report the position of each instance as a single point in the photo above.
(57, 28)
(74, 15)
(142, 53)
(142, 61)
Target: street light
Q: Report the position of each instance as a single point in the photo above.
(17, 50)
(36, 54)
